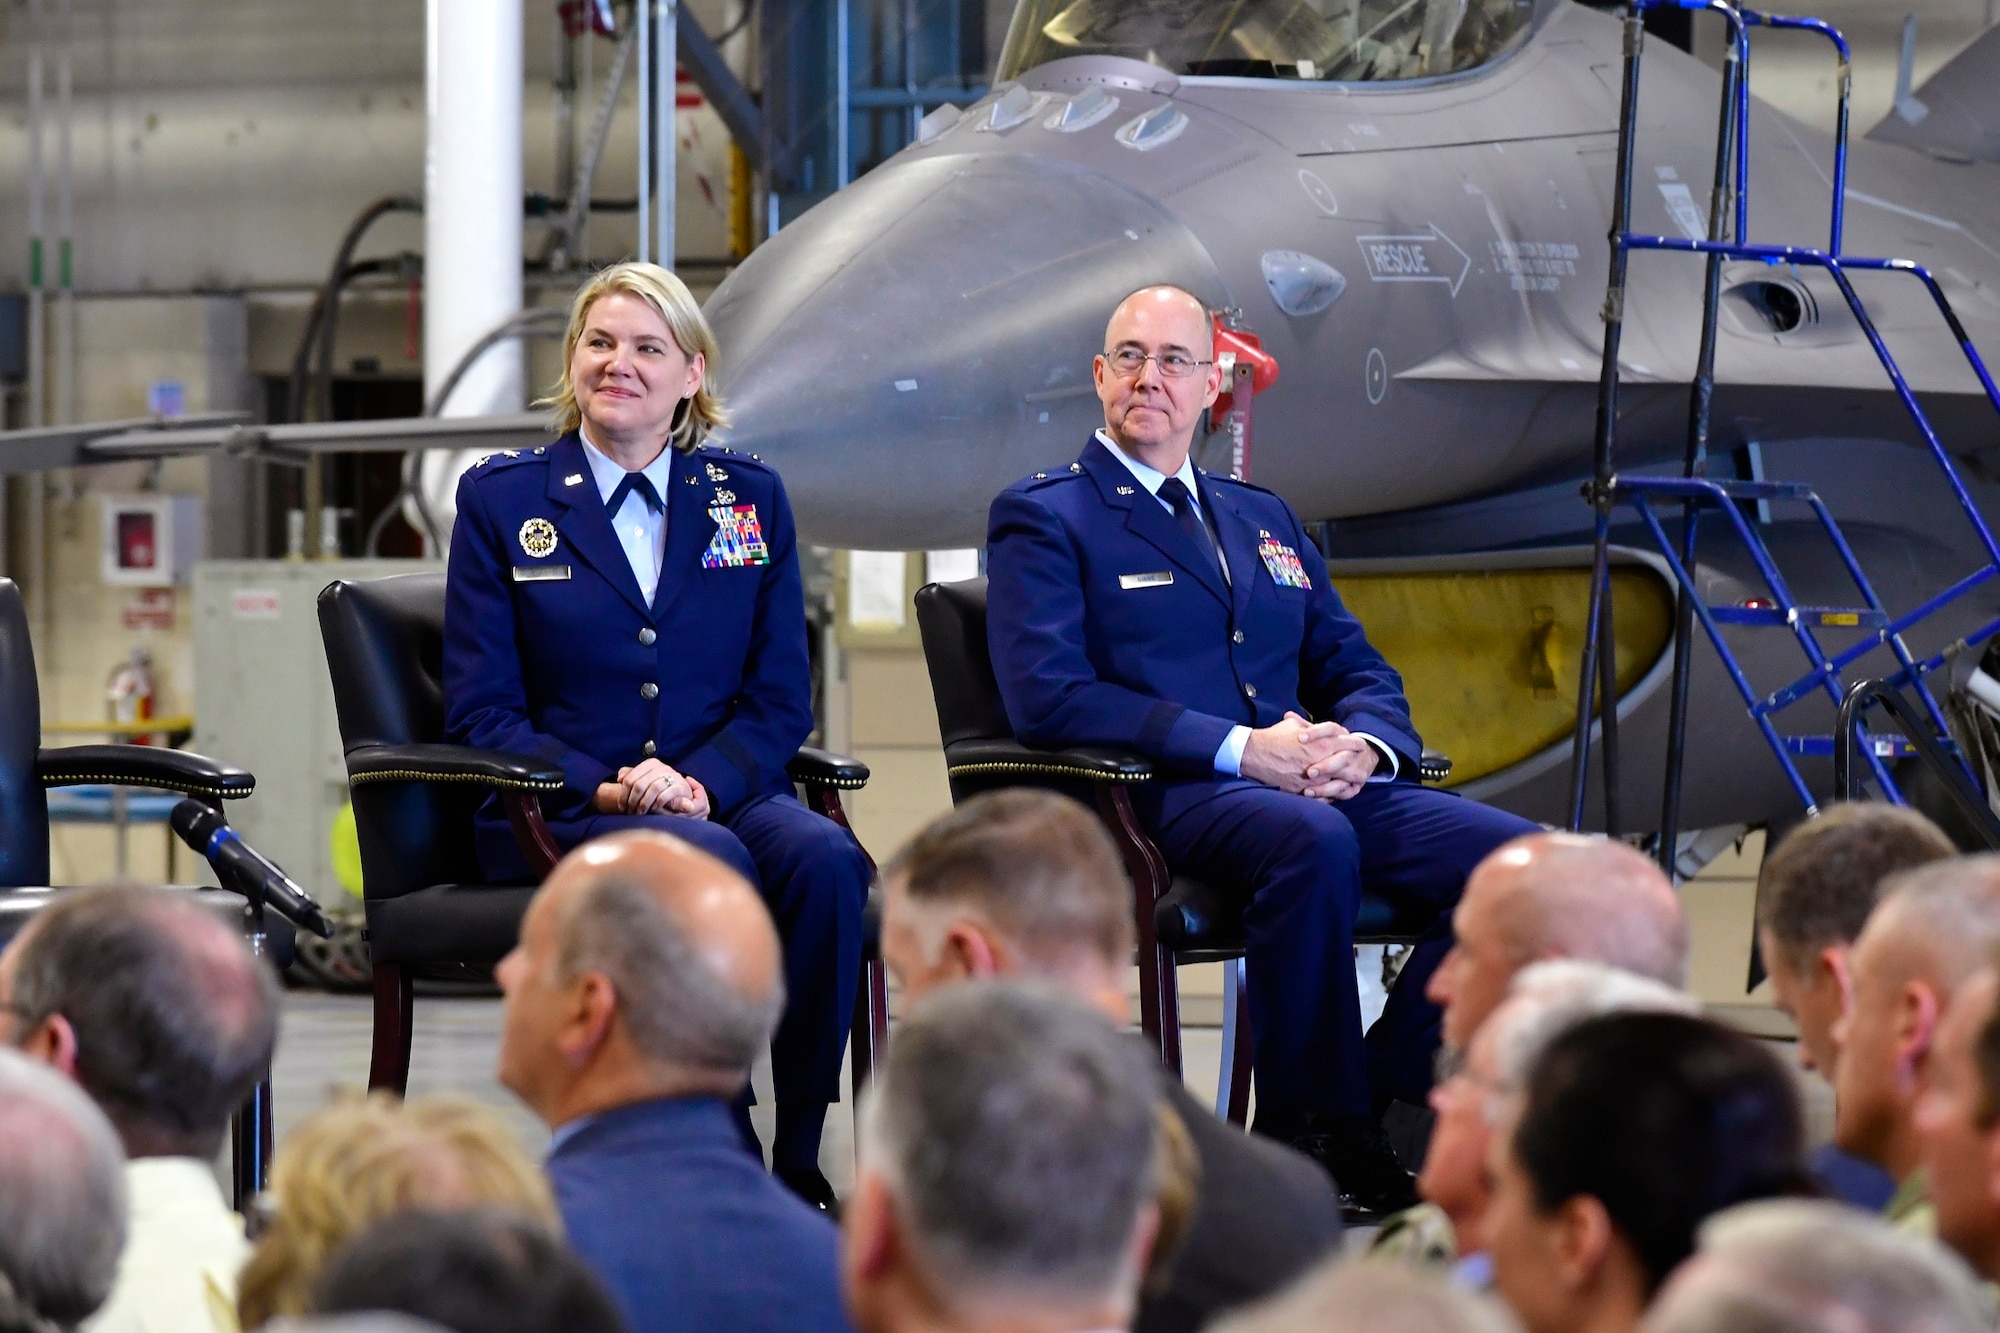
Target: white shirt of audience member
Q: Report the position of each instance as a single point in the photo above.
(182, 1253)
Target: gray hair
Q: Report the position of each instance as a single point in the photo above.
(62, 1199)
(1015, 1130)
(174, 1017)
(1951, 910)
(677, 1007)
(1547, 999)
(1808, 1266)
(1369, 1296)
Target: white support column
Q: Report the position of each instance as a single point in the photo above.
(472, 216)
(666, 133)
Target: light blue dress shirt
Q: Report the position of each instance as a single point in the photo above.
(1229, 756)
(641, 532)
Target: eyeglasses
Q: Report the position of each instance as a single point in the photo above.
(1129, 361)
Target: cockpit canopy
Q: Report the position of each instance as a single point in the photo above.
(1335, 40)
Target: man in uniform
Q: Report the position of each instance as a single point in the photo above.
(1136, 601)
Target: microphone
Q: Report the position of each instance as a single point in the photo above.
(204, 829)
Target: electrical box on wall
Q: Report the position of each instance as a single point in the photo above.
(149, 541)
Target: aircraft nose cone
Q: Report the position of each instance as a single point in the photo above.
(923, 339)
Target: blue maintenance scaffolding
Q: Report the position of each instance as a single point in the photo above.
(1697, 495)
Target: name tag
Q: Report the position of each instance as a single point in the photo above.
(540, 573)
(1158, 579)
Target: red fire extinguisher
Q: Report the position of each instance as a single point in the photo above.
(129, 693)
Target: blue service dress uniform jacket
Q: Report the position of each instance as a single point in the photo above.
(1109, 625)
(550, 650)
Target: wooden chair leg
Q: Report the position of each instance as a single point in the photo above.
(1159, 989)
(389, 1062)
(871, 1024)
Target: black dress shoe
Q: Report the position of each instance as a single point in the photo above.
(1370, 1178)
(811, 1186)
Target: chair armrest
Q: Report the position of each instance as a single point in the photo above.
(451, 763)
(143, 766)
(824, 768)
(1433, 767)
(1092, 763)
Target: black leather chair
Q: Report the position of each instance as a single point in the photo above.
(1178, 919)
(414, 799)
(27, 771)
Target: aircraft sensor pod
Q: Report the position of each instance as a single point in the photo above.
(1162, 124)
(1082, 111)
(940, 119)
(1301, 284)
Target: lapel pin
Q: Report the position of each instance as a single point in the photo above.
(573, 479)
(1125, 490)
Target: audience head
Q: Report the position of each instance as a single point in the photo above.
(360, 1161)
(62, 1200)
(1009, 1163)
(1805, 1266)
(1013, 882)
(151, 1003)
(1347, 1296)
(473, 1271)
(1544, 1001)
(1935, 928)
(1814, 894)
(1958, 1121)
(646, 969)
(1632, 1129)
(1556, 895)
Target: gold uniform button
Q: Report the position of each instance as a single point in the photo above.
(1250, 690)
(1237, 637)
(649, 691)
(647, 637)
(649, 749)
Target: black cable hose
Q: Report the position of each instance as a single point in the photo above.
(325, 313)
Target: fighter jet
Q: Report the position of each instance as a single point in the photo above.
(1407, 202)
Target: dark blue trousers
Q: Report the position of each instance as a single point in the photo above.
(1301, 864)
(814, 879)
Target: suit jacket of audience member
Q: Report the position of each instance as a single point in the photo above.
(688, 1230)
(1263, 1215)
(1109, 625)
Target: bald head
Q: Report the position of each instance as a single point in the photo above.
(154, 1004)
(685, 942)
(1166, 308)
(1557, 895)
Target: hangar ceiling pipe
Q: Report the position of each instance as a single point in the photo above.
(472, 216)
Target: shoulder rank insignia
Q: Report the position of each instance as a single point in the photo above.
(1283, 563)
(739, 538)
(538, 538)
(715, 473)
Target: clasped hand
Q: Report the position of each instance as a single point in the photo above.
(1323, 760)
(652, 788)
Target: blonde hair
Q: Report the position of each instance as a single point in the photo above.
(675, 304)
(364, 1159)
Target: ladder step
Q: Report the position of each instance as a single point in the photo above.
(1712, 488)
(1817, 617)
(1885, 747)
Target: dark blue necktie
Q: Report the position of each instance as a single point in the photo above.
(1175, 493)
(634, 481)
